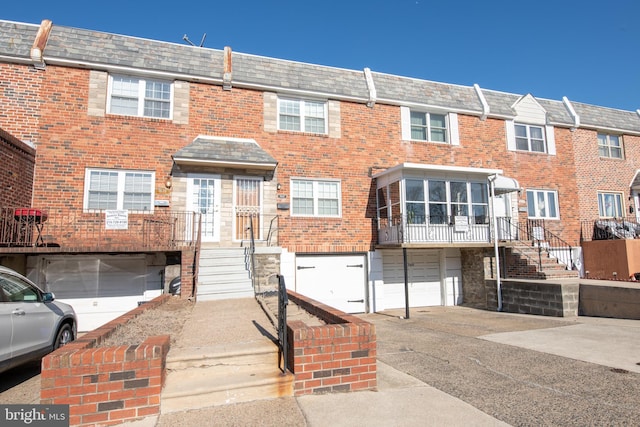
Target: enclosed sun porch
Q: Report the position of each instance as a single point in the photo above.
(443, 205)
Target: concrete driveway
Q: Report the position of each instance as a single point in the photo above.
(520, 369)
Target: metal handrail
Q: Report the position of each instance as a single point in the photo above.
(534, 233)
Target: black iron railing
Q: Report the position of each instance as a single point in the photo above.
(533, 233)
(102, 230)
(283, 301)
(610, 229)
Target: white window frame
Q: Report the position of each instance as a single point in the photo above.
(121, 180)
(315, 196)
(548, 135)
(618, 205)
(604, 144)
(548, 195)
(529, 138)
(451, 122)
(140, 96)
(302, 109)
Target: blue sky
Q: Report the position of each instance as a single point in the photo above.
(586, 50)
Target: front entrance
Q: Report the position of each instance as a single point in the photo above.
(248, 206)
(203, 196)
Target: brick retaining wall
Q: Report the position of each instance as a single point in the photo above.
(339, 356)
(107, 385)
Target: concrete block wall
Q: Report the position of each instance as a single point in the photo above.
(611, 299)
(107, 385)
(339, 356)
(546, 298)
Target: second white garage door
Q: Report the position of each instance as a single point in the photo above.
(425, 285)
(335, 280)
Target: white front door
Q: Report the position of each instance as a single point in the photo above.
(203, 197)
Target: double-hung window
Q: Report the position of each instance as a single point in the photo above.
(610, 205)
(530, 138)
(315, 198)
(302, 115)
(542, 204)
(609, 146)
(428, 127)
(119, 189)
(134, 96)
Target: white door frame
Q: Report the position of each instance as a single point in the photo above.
(210, 220)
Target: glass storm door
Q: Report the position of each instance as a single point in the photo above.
(203, 196)
(248, 207)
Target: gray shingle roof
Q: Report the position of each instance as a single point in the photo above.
(104, 50)
(403, 89)
(17, 39)
(225, 150)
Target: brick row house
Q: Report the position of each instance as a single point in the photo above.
(156, 160)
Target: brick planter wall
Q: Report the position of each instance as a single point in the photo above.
(337, 357)
(107, 385)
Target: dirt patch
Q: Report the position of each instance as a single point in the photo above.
(166, 319)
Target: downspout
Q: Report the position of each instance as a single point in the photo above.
(492, 185)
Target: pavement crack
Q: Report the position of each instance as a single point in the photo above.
(511, 377)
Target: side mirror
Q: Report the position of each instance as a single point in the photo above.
(48, 297)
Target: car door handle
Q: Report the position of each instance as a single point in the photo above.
(355, 300)
(19, 312)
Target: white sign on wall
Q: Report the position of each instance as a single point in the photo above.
(461, 224)
(116, 219)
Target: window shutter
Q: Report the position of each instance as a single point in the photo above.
(551, 140)
(511, 135)
(405, 119)
(454, 135)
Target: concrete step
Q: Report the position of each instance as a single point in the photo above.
(223, 374)
(224, 291)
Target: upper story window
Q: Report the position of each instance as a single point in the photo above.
(119, 189)
(315, 198)
(542, 204)
(134, 96)
(302, 115)
(609, 146)
(428, 126)
(610, 205)
(530, 138)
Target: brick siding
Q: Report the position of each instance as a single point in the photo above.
(339, 356)
(107, 385)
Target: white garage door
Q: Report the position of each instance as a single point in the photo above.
(425, 287)
(338, 281)
(99, 288)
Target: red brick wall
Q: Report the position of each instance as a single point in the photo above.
(370, 141)
(16, 177)
(107, 385)
(595, 173)
(337, 357)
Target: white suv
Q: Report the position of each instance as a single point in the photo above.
(32, 324)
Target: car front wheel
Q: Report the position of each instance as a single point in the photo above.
(65, 336)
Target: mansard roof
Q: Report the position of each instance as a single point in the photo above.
(99, 50)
